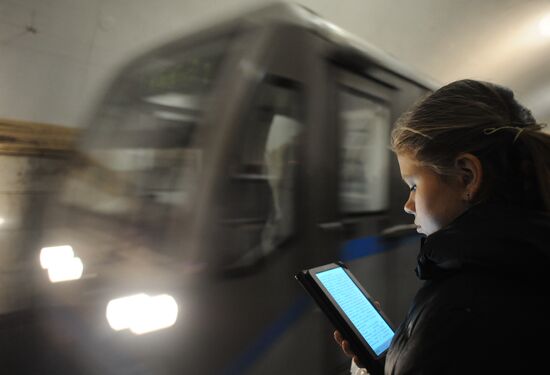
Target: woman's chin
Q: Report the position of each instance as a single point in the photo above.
(421, 231)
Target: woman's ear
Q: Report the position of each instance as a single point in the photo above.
(470, 174)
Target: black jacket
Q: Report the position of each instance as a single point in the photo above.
(484, 306)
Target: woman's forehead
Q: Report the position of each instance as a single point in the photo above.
(410, 167)
(407, 164)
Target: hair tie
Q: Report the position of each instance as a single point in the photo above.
(489, 131)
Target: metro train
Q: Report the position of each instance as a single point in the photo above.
(213, 169)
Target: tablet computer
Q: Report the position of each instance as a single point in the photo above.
(352, 311)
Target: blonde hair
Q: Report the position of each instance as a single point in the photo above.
(485, 120)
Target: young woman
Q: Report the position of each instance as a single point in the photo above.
(478, 168)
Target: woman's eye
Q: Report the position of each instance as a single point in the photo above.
(412, 188)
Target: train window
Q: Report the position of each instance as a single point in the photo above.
(141, 158)
(365, 128)
(262, 182)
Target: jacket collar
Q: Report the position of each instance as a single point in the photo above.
(487, 236)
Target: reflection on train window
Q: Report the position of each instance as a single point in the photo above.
(260, 217)
(365, 127)
(142, 158)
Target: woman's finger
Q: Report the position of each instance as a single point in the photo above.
(338, 337)
(347, 349)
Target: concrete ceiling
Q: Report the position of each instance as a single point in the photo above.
(80, 42)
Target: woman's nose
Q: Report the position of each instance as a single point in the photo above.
(409, 206)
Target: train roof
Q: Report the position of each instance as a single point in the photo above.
(303, 17)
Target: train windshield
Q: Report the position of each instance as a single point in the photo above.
(143, 146)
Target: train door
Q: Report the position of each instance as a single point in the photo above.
(370, 191)
(361, 115)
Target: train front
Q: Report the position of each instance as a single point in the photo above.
(121, 281)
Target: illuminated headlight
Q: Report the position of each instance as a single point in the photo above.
(49, 256)
(141, 313)
(61, 263)
(65, 270)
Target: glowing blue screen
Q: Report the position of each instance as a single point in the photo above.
(364, 316)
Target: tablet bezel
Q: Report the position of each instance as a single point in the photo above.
(313, 274)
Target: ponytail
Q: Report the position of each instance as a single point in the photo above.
(537, 146)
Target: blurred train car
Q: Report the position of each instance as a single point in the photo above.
(215, 168)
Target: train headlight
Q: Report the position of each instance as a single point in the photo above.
(61, 263)
(49, 256)
(141, 313)
(66, 270)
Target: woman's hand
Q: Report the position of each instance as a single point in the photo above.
(344, 344)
